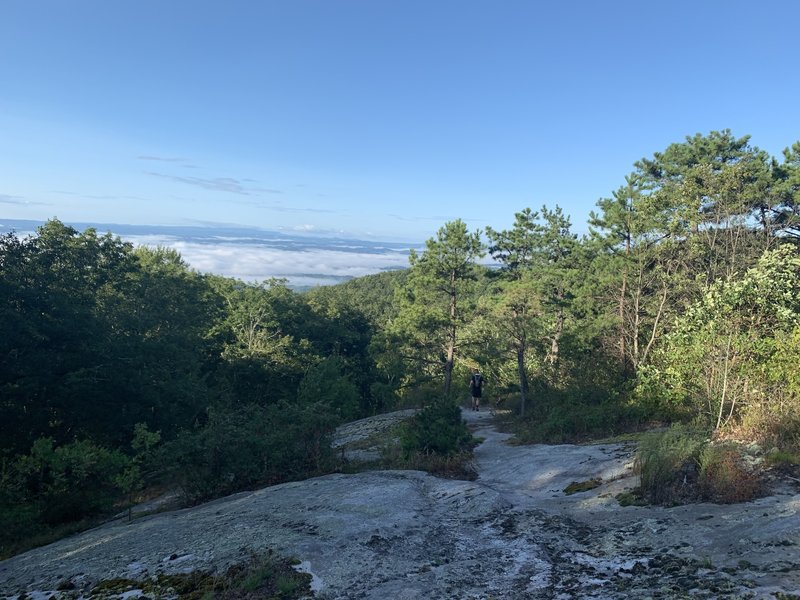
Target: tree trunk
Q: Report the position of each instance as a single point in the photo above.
(656, 320)
(451, 343)
(636, 325)
(448, 369)
(621, 311)
(552, 356)
(523, 378)
(724, 382)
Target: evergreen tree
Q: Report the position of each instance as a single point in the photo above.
(438, 299)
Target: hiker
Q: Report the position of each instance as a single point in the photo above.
(475, 387)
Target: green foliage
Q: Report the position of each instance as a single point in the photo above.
(664, 312)
(261, 576)
(785, 212)
(692, 215)
(133, 478)
(90, 320)
(568, 416)
(630, 499)
(667, 463)
(438, 428)
(268, 336)
(577, 487)
(437, 301)
(530, 313)
(109, 345)
(250, 446)
(343, 332)
(325, 387)
(732, 352)
(261, 337)
(782, 457)
(70, 481)
(373, 295)
(360, 309)
(53, 485)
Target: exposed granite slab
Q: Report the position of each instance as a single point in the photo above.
(513, 533)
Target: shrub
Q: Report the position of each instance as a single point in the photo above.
(326, 384)
(569, 419)
(69, 482)
(438, 428)
(731, 358)
(250, 446)
(770, 427)
(52, 486)
(724, 478)
(667, 463)
(777, 457)
(17, 523)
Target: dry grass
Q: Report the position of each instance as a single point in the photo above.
(724, 478)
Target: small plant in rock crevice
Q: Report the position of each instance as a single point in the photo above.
(667, 464)
(683, 465)
(261, 577)
(724, 478)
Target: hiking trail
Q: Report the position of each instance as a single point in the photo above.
(512, 533)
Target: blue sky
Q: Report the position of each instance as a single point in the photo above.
(370, 118)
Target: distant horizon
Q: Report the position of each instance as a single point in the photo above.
(371, 120)
(304, 260)
(204, 226)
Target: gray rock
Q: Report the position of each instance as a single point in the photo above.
(513, 533)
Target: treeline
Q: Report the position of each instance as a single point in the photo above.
(681, 304)
(121, 367)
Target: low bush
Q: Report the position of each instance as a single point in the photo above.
(266, 576)
(438, 428)
(683, 465)
(568, 422)
(458, 465)
(777, 457)
(769, 427)
(667, 463)
(724, 478)
(326, 384)
(250, 446)
(55, 486)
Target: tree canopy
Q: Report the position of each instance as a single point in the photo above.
(680, 304)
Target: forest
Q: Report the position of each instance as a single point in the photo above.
(122, 369)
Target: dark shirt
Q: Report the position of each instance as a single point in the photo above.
(476, 384)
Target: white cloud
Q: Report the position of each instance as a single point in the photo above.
(8, 199)
(257, 262)
(217, 184)
(161, 158)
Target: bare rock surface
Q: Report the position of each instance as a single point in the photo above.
(513, 533)
(363, 429)
(359, 441)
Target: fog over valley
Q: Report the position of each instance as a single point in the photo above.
(253, 254)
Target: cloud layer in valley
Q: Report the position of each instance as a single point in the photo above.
(301, 267)
(253, 254)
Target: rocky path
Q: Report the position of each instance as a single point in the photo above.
(513, 533)
(596, 548)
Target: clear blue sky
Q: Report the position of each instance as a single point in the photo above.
(371, 117)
